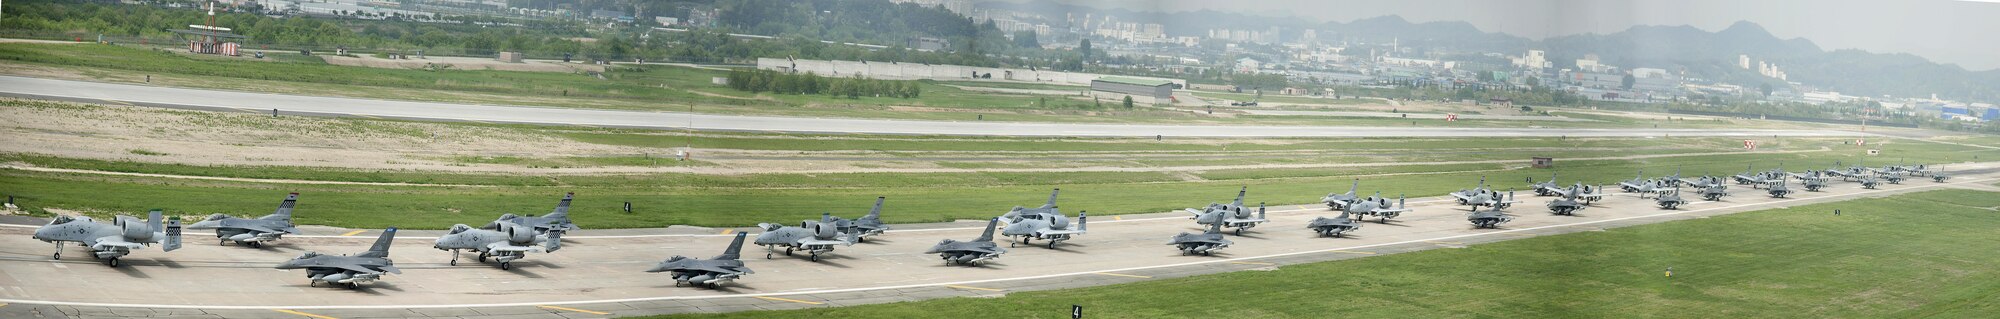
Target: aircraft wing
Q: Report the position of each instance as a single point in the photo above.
(1061, 232)
(359, 269)
(1398, 210)
(810, 241)
(1591, 196)
(502, 246)
(392, 270)
(1196, 212)
(256, 227)
(1245, 220)
(114, 241)
(1461, 196)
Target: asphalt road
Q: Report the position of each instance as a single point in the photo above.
(214, 100)
(599, 272)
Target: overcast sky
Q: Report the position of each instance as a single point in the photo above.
(1963, 32)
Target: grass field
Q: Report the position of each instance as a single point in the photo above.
(1916, 255)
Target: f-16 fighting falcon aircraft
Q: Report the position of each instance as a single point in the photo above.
(1893, 177)
(1333, 227)
(1869, 181)
(1939, 175)
(1231, 215)
(1778, 189)
(971, 252)
(1571, 200)
(860, 228)
(1337, 201)
(813, 237)
(1671, 199)
(110, 241)
(1491, 218)
(253, 232)
(1046, 223)
(1205, 243)
(1812, 180)
(712, 272)
(508, 243)
(1636, 182)
(351, 271)
(1545, 188)
(554, 220)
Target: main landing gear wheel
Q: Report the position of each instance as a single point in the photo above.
(113, 262)
(57, 256)
(814, 257)
(506, 265)
(767, 255)
(454, 262)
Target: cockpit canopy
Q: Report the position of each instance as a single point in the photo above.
(217, 216)
(308, 254)
(460, 228)
(63, 220)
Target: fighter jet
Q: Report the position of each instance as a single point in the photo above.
(1893, 177)
(1570, 203)
(1481, 196)
(1231, 215)
(712, 272)
(1670, 199)
(1636, 182)
(352, 271)
(860, 228)
(1466, 196)
(1585, 193)
(508, 243)
(1672, 180)
(813, 237)
(1545, 188)
(108, 242)
(1869, 181)
(1939, 175)
(554, 220)
(1751, 177)
(1778, 189)
(1337, 201)
(1205, 243)
(1813, 181)
(1025, 225)
(971, 252)
(1844, 173)
(1491, 218)
(1334, 227)
(253, 232)
(1377, 206)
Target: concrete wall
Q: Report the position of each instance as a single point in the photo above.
(913, 71)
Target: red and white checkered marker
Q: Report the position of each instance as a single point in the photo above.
(1451, 117)
(1750, 145)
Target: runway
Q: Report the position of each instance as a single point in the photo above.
(599, 272)
(236, 101)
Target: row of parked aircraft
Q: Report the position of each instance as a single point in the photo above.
(511, 237)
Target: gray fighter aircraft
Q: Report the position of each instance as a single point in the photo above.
(1545, 188)
(1570, 203)
(1711, 188)
(813, 237)
(860, 228)
(1231, 215)
(1939, 175)
(1467, 196)
(352, 271)
(1378, 206)
(1205, 243)
(509, 242)
(1670, 199)
(1777, 188)
(1752, 177)
(1486, 198)
(1049, 225)
(554, 220)
(1812, 180)
(1636, 182)
(1491, 218)
(108, 242)
(1334, 227)
(253, 232)
(712, 272)
(1585, 193)
(1844, 173)
(1869, 181)
(1893, 177)
(1337, 201)
(972, 252)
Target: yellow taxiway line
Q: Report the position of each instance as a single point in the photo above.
(728, 231)
(352, 233)
(1121, 275)
(972, 288)
(791, 300)
(574, 309)
(303, 314)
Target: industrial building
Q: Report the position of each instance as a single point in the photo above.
(1141, 90)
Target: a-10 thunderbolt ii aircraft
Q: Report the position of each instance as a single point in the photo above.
(1585, 193)
(1205, 243)
(1893, 177)
(1844, 173)
(351, 271)
(1939, 175)
(1755, 179)
(1231, 215)
(1671, 199)
(1490, 218)
(506, 243)
(1481, 196)
(554, 220)
(1572, 200)
(108, 242)
(1869, 181)
(813, 237)
(1045, 223)
(971, 252)
(1378, 206)
(253, 232)
(860, 228)
(712, 272)
(1637, 181)
(1337, 201)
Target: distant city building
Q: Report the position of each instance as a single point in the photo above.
(1247, 65)
(667, 21)
(1534, 60)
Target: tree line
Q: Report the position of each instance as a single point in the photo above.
(759, 81)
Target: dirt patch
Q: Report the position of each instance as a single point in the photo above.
(461, 63)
